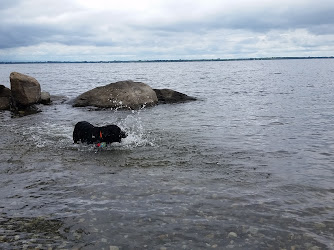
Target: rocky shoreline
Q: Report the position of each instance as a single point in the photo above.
(25, 94)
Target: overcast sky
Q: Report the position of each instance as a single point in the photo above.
(42, 30)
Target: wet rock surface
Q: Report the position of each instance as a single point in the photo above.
(5, 98)
(24, 96)
(45, 98)
(25, 89)
(123, 94)
(171, 96)
(24, 111)
(129, 95)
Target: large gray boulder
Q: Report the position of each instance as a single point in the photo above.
(172, 96)
(26, 90)
(5, 98)
(123, 94)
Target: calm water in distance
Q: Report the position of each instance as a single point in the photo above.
(247, 166)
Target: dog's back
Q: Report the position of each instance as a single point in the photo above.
(83, 131)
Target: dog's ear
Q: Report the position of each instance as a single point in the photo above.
(123, 134)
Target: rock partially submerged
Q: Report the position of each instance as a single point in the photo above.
(45, 98)
(26, 90)
(123, 94)
(172, 96)
(29, 110)
(24, 95)
(128, 95)
(5, 98)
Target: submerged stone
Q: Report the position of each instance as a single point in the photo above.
(172, 96)
(232, 235)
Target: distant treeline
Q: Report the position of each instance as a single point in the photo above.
(179, 60)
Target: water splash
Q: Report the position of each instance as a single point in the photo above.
(138, 136)
(59, 135)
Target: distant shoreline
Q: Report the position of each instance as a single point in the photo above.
(173, 60)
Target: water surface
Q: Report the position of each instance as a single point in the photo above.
(247, 166)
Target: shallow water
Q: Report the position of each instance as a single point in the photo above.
(247, 166)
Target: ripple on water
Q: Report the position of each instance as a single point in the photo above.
(249, 166)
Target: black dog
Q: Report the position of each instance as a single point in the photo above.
(88, 133)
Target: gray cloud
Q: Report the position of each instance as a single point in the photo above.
(21, 35)
(5, 4)
(167, 28)
(17, 35)
(262, 19)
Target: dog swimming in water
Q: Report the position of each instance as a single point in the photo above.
(87, 133)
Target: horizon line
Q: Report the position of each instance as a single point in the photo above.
(171, 60)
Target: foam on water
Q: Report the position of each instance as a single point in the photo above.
(47, 134)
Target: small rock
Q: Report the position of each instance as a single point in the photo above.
(232, 235)
(113, 248)
(210, 236)
(307, 245)
(45, 98)
(319, 225)
(291, 236)
(315, 248)
(163, 236)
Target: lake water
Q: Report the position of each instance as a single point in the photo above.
(248, 166)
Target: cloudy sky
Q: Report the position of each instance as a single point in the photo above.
(42, 30)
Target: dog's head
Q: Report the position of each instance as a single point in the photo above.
(112, 133)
